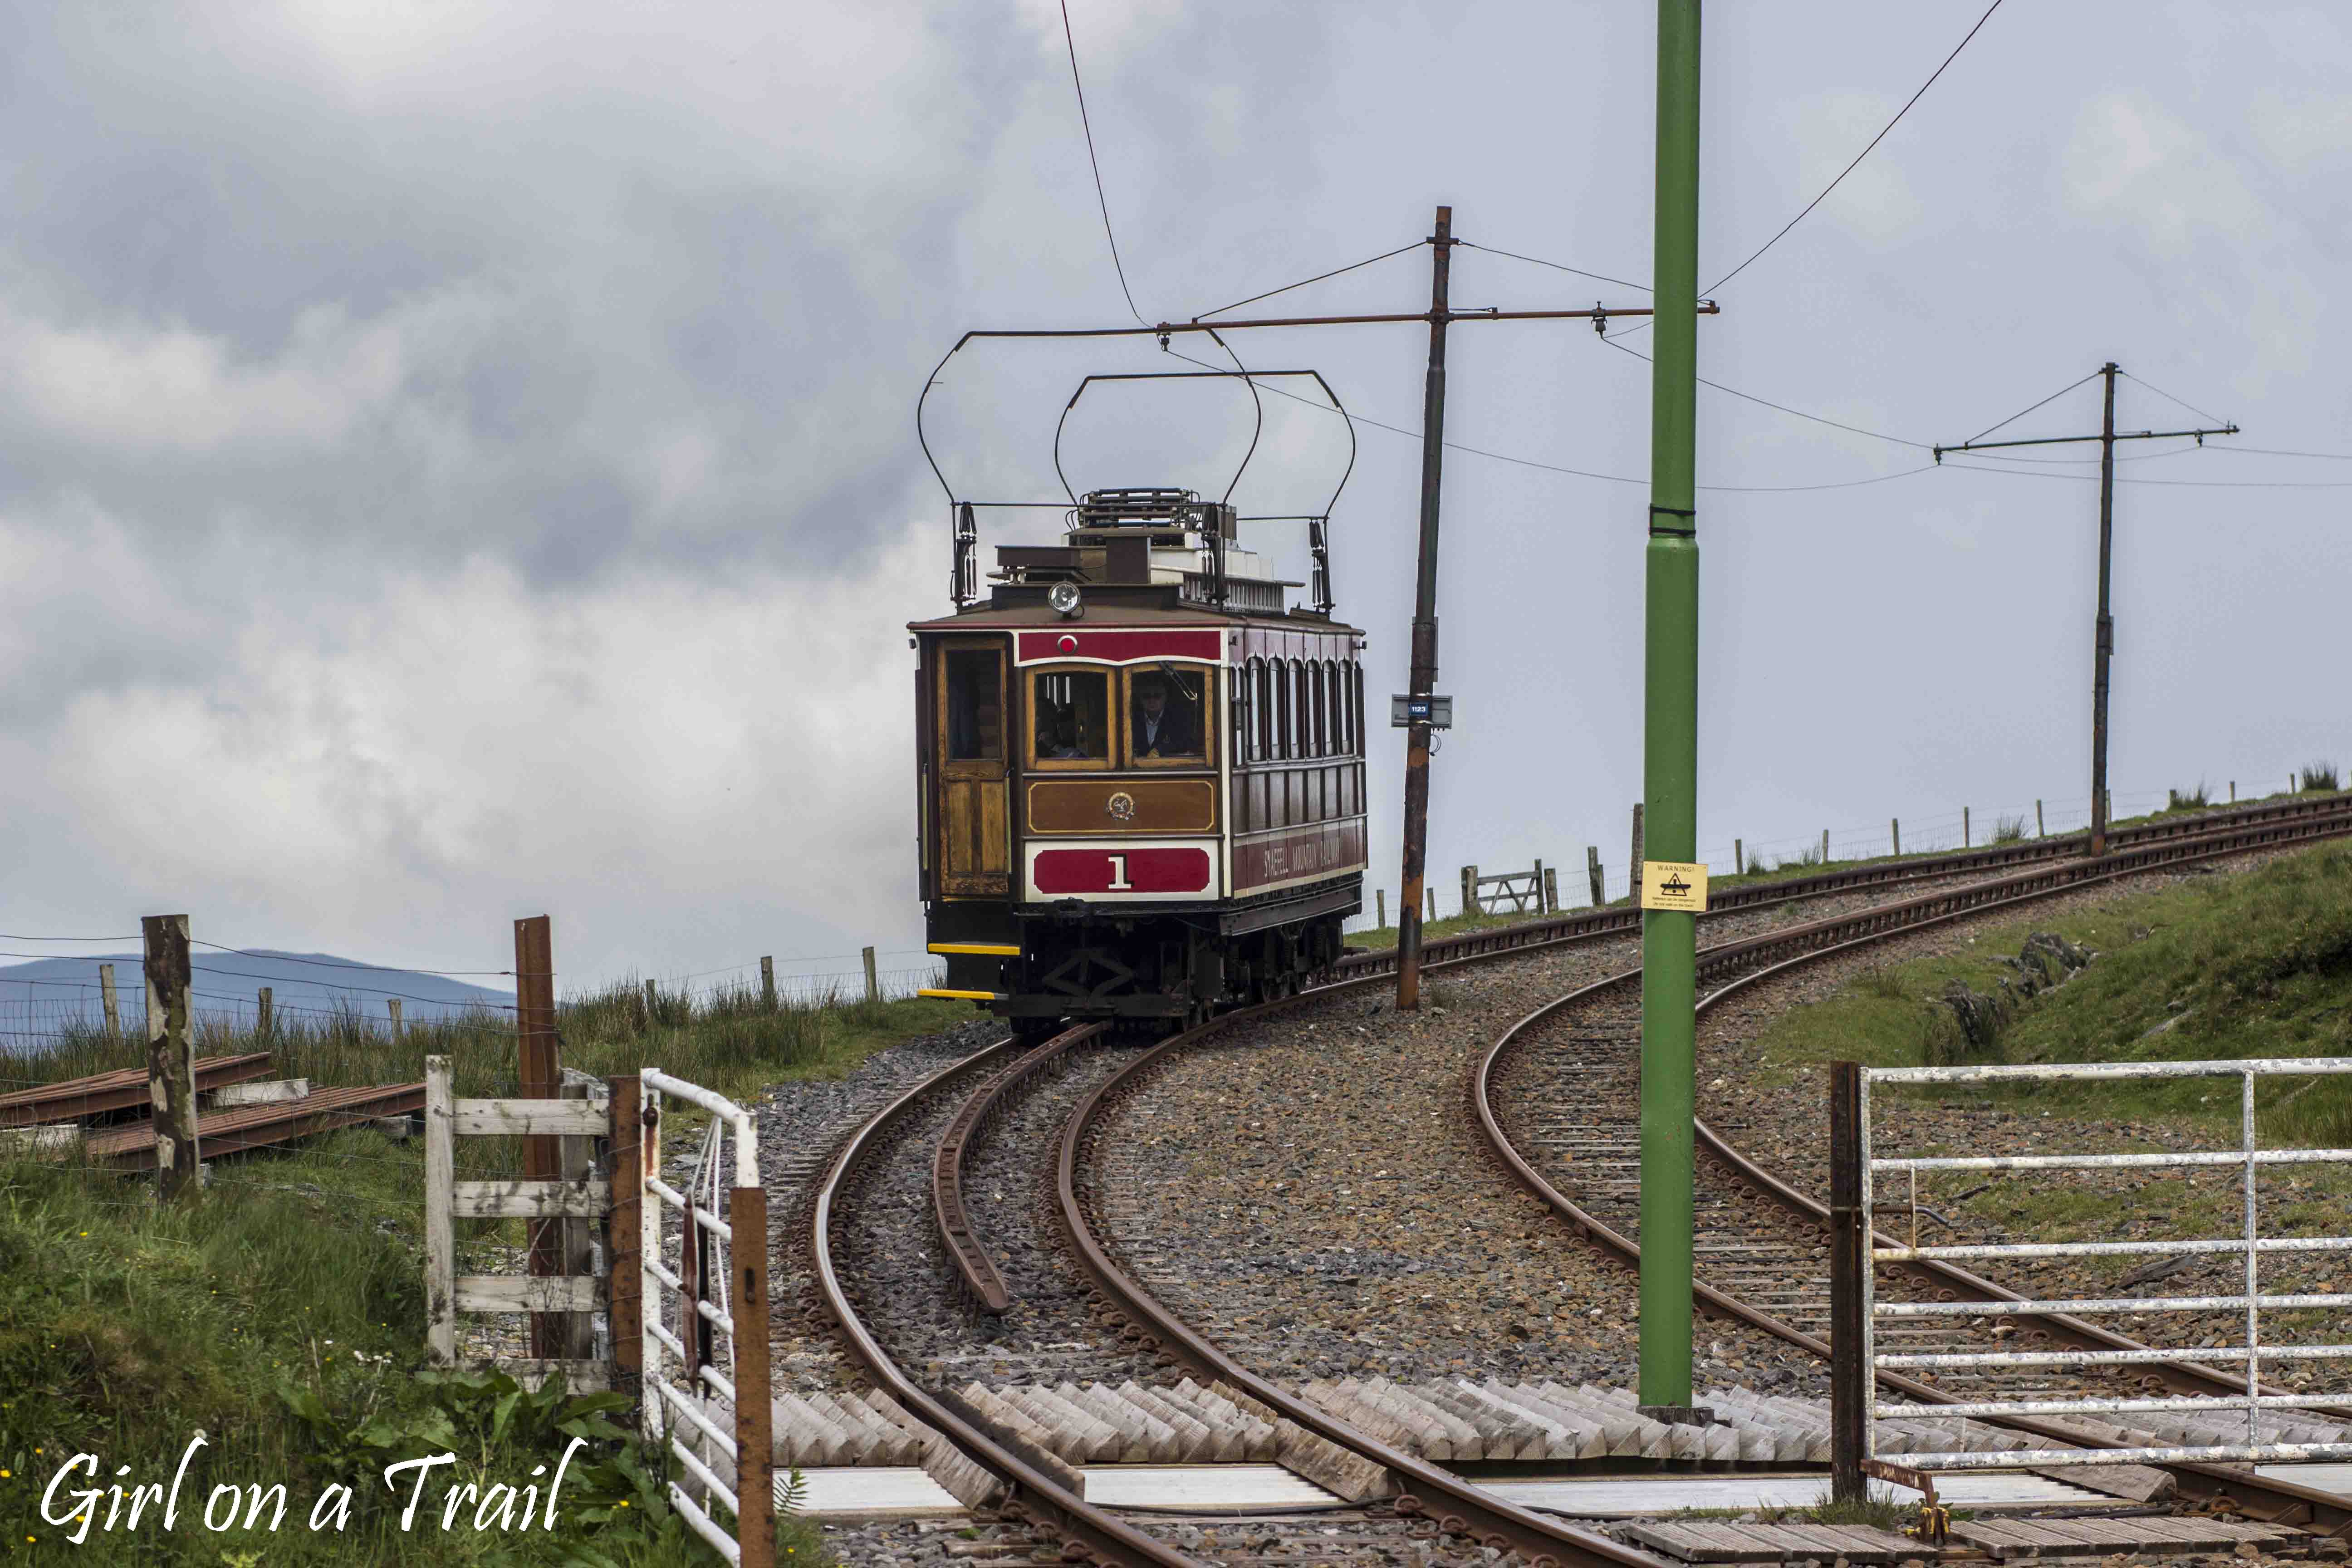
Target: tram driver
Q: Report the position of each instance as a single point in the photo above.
(1161, 729)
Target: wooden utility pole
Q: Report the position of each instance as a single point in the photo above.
(171, 1055)
(2103, 627)
(554, 1335)
(1423, 675)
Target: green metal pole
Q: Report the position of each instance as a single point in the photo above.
(1670, 727)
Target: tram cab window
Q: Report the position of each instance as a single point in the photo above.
(1070, 715)
(975, 720)
(1167, 717)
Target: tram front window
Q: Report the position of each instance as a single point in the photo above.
(1071, 710)
(1164, 717)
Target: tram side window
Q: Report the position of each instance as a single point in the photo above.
(975, 720)
(1285, 743)
(1300, 682)
(1331, 687)
(1238, 701)
(1071, 710)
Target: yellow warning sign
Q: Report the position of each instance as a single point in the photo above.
(1672, 885)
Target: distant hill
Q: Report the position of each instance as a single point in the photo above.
(41, 997)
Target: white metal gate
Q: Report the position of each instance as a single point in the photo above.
(2249, 1158)
(718, 1291)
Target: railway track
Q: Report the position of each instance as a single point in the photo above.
(1762, 1244)
(979, 1120)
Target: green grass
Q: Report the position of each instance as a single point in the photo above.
(2257, 963)
(1807, 862)
(298, 1276)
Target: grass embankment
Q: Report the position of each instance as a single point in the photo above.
(2224, 967)
(1809, 863)
(282, 1312)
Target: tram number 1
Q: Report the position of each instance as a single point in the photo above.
(1119, 882)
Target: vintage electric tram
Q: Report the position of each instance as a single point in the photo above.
(1140, 769)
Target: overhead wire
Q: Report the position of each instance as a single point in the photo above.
(1561, 469)
(1086, 124)
(1319, 278)
(2023, 411)
(1798, 413)
(1556, 266)
(339, 964)
(2162, 393)
(1858, 157)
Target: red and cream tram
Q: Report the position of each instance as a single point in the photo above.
(1142, 771)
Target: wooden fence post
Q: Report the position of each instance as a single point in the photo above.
(264, 1016)
(625, 1280)
(1537, 888)
(171, 1055)
(105, 1001)
(440, 1196)
(2038, 831)
(1469, 889)
(1433, 905)
(1966, 842)
(399, 1031)
(1592, 874)
(543, 1154)
(2234, 792)
(1633, 881)
(652, 1416)
(577, 1238)
(1381, 908)
(651, 1000)
(768, 983)
(1849, 1255)
(1825, 846)
(1551, 890)
(1738, 858)
(873, 983)
(755, 1439)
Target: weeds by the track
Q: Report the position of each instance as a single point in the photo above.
(2320, 776)
(282, 1313)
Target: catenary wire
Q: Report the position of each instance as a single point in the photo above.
(1798, 413)
(1559, 469)
(1556, 266)
(1101, 200)
(1858, 157)
(1319, 278)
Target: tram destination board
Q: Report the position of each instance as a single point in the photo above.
(1406, 712)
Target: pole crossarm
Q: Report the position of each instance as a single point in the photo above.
(1598, 314)
(2067, 440)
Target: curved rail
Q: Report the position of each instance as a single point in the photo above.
(976, 1271)
(1626, 919)
(1100, 1532)
(1460, 1507)
(1845, 936)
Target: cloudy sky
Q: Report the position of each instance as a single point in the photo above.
(457, 459)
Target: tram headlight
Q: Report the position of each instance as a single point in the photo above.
(1064, 597)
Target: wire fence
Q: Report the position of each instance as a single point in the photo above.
(1969, 827)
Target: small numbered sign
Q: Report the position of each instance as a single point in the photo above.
(1673, 885)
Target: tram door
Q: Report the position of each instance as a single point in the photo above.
(974, 838)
